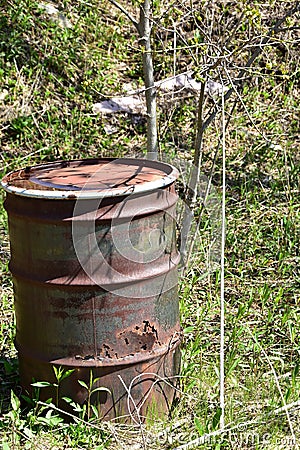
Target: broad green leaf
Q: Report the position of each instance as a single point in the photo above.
(57, 372)
(27, 399)
(82, 383)
(96, 379)
(188, 330)
(49, 413)
(295, 372)
(199, 426)
(95, 411)
(216, 418)
(14, 401)
(233, 366)
(66, 374)
(76, 407)
(41, 384)
(101, 389)
(50, 421)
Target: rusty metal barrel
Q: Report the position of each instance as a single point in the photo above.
(94, 267)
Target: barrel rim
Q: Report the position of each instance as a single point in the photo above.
(169, 178)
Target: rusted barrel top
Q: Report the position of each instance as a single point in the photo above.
(92, 178)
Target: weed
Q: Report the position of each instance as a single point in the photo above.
(60, 375)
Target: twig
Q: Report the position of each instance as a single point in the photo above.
(159, 379)
(126, 13)
(208, 191)
(244, 106)
(191, 189)
(139, 422)
(250, 61)
(23, 158)
(286, 407)
(199, 134)
(222, 295)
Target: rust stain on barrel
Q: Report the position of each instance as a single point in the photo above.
(121, 319)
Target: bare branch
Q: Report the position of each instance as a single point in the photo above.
(199, 131)
(126, 13)
(191, 195)
(255, 54)
(222, 281)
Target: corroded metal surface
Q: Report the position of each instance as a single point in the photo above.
(98, 307)
(99, 178)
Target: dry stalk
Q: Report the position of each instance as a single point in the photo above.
(222, 295)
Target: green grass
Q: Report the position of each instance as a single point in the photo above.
(52, 76)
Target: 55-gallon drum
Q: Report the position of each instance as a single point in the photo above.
(94, 266)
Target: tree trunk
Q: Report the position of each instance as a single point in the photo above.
(145, 36)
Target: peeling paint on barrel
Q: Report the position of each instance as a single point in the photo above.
(124, 328)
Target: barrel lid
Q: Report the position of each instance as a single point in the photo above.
(90, 178)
